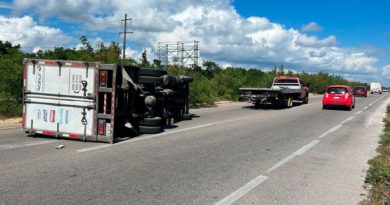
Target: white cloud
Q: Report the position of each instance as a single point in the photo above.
(311, 27)
(224, 35)
(386, 71)
(26, 32)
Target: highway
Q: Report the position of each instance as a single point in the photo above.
(233, 154)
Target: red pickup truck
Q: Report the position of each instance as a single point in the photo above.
(283, 92)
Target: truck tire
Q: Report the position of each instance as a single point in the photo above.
(151, 121)
(149, 129)
(306, 100)
(152, 72)
(150, 80)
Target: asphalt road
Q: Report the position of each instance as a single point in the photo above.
(227, 155)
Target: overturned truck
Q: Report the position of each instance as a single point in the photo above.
(93, 101)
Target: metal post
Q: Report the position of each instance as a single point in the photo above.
(124, 37)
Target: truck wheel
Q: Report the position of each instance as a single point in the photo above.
(149, 129)
(306, 100)
(152, 72)
(150, 80)
(151, 121)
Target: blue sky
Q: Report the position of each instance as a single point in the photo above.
(356, 23)
(348, 38)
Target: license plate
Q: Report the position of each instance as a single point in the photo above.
(336, 97)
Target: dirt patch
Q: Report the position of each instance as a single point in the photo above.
(11, 120)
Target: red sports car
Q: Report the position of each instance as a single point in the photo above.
(360, 91)
(338, 96)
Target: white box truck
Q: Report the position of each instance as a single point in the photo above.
(376, 87)
(93, 101)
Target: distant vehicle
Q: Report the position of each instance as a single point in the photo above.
(338, 96)
(282, 93)
(376, 87)
(360, 91)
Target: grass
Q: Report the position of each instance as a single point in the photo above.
(378, 175)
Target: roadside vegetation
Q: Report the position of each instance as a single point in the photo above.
(378, 175)
(211, 82)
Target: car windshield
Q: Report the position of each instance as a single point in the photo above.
(337, 90)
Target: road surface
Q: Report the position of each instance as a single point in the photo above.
(234, 154)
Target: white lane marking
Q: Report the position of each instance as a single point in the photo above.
(348, 119)
(365, 108)
(258, 180)
(281, 162)
(300, 151)
(306, 147)
(10, 146)
(157, 135)
(231, 198)
(358, 113)
(369, 105)
(330, 131)
(335, 128)
(137, 139)
(94, 148)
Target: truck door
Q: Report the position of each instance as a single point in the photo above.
(59, 98)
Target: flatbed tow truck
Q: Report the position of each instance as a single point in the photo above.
(283, 92)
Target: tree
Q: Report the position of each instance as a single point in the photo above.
(11, 79)
(211, 68)
(157, 63)
(86, 44)
(144, 60)
(8, 48)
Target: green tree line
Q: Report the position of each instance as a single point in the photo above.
(211, 82)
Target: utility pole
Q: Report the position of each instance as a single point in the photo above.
(124, 36)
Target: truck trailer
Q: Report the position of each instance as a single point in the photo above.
(94, 101)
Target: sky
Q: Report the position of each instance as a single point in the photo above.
(350, 38)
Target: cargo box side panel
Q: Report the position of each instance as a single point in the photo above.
(65, 118)
(60, 80)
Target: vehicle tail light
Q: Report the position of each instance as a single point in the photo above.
(102, 127)
(326, 95)
(103, 78)
(346, 95)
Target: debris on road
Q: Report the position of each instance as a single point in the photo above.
(60, 146)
